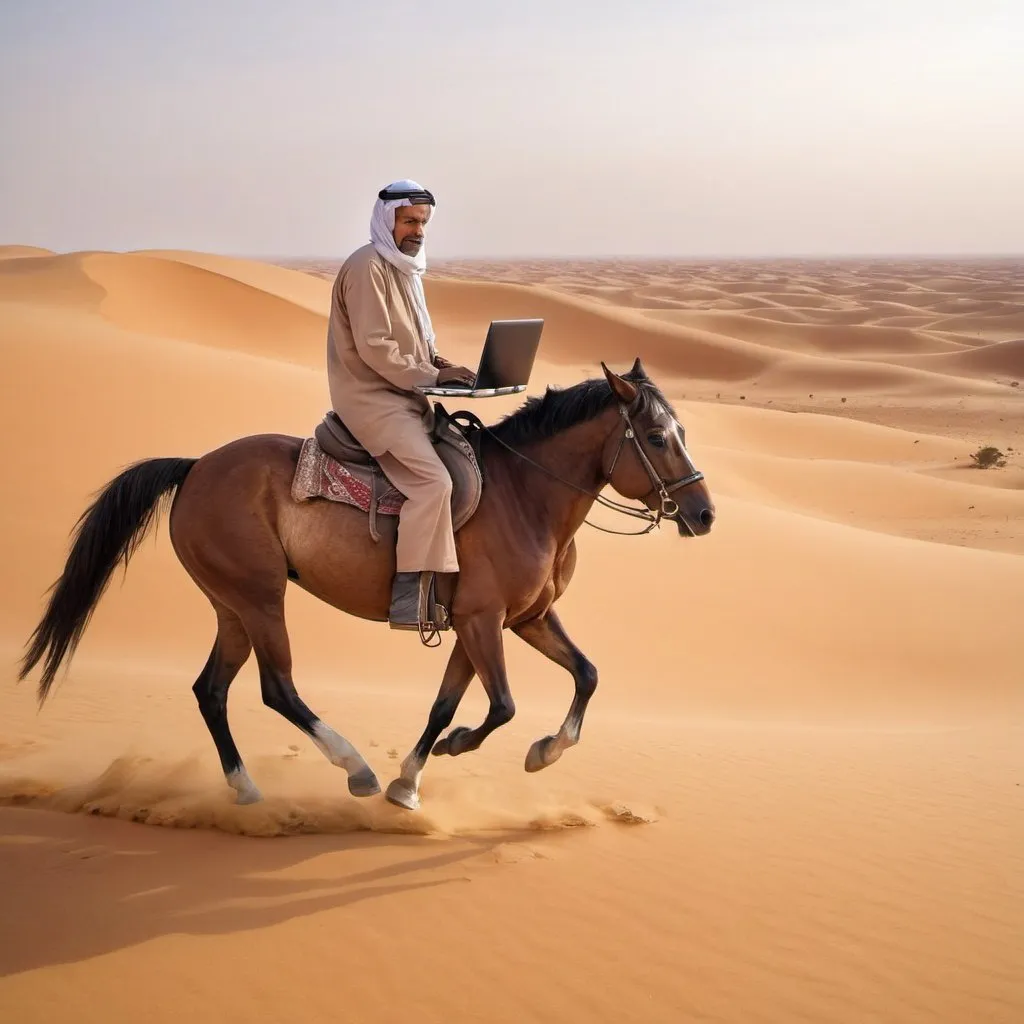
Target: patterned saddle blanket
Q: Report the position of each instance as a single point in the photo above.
(333, 465)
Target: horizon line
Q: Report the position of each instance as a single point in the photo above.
(550, 258)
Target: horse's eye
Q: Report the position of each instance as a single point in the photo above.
(658, 440)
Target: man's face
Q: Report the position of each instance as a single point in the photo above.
(410, 227)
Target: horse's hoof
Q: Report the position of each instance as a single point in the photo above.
(402, 793)
(243, 786)
(539, 755)
(449, 744)
(363, 783)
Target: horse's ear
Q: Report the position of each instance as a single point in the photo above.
(622, 388)
(638, 370)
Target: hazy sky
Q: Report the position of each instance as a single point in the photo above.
(544, 127)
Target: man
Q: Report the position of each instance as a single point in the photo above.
(380, 348)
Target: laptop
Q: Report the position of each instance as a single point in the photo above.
(505, 362)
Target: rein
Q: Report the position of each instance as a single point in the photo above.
(668, 506)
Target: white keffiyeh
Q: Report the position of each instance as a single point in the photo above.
(382, 227)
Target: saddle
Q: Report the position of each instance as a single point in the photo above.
(334, 465)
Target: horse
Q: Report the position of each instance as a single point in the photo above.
(241, 536)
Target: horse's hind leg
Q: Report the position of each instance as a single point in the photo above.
(269, 637)
(546, 635)
(404, 790)
(230, 652)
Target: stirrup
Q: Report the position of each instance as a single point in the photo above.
(433, 615)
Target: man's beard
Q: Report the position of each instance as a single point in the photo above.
(410, 247)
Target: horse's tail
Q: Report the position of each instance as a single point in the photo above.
(108, 532)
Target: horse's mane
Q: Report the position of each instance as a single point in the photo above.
(559, 409)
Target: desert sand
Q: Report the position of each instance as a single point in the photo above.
(799, 795)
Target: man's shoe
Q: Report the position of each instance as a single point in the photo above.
(405, 601)
(414, 603)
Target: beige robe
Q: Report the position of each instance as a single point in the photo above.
(375, 357)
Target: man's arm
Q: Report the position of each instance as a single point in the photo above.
(366, 301)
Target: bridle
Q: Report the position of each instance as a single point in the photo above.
(668, 507)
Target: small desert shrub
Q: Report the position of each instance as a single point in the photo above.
(986, 458)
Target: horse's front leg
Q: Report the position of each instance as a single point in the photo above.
(480, 634)
(546, 635)
(405, 790)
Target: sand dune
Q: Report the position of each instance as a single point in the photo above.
(705, 350)
(17, 252)
(50, 282)
(1004, 358)
(870, 495)
(905, 320)
(304, 290)
(815, 338)
(798, 793)
(808, 435)
(996, 327)
(579, 330)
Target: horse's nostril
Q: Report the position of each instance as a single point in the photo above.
(707, 517)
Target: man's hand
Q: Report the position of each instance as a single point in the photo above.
(456, 375)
